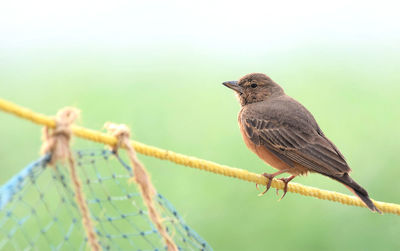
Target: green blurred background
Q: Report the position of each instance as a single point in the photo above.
(158, 67)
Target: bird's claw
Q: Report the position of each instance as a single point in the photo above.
(286, 181)
(269, 177)
(284, 188)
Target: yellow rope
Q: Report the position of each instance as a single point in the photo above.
(195, 162)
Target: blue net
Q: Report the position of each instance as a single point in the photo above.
(38, 210)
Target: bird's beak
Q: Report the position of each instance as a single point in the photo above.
(234, 86)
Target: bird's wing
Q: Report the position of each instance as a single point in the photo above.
(291, 144)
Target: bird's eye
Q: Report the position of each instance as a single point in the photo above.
(253, 85)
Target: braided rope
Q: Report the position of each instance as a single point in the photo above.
(195, 162)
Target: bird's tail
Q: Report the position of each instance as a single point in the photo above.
(357, 190)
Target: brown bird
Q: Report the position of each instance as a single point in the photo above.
(284, 134)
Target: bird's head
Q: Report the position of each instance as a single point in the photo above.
(254, 87)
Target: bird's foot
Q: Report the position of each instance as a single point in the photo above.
(269, 177)
(286, 181)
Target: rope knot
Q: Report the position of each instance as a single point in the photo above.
(56, 141)
(121, 132)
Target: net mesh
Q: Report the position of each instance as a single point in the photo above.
(38, 210)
